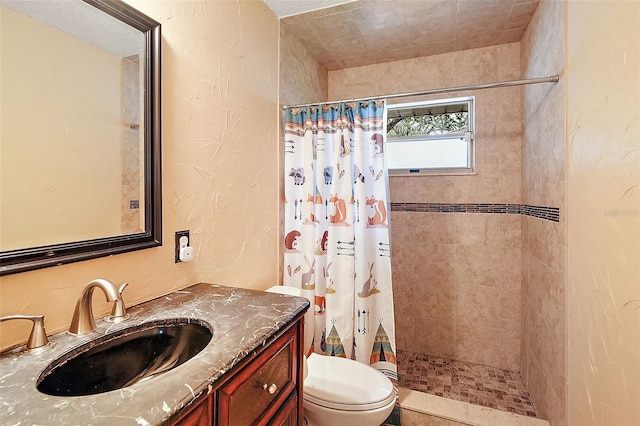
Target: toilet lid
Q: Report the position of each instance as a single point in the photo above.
(344, 384)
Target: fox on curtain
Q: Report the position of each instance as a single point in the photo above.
(337, 229)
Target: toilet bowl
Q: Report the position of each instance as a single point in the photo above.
(341, 391)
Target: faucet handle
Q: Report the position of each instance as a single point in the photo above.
(38, 336)
(119, 310)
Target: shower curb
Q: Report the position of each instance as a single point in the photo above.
(462, 412)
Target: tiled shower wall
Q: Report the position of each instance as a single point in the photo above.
(543, 365)
(457, 276)
(130, 148)
(456, 281)
(480, 287)
(302, 79)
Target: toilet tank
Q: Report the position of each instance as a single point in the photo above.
(309, 319)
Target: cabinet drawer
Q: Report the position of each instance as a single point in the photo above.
(259, 390)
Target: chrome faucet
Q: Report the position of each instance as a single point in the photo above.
(83, 321)
(38, 337)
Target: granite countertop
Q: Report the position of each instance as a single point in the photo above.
(242, 320)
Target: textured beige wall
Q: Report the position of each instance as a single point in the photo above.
(457, 276)
(48, 114)
(603, 176)
(543, 364)
(220, 177)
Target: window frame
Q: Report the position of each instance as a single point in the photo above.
(469, 137)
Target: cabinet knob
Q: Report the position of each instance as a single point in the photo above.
(272, 388)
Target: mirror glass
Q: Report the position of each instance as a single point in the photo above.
(80, 131)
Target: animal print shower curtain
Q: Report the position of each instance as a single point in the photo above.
(337, 229)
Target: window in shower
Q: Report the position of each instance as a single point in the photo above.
(431, 137)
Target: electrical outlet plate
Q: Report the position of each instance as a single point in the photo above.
(177, 244)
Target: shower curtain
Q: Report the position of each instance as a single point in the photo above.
(337, 229)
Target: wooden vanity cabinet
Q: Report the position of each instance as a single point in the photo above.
(288, 414)
(200, 415)
(265, 388)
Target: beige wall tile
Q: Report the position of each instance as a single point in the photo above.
(424, 263)
(302, 79)
(547, 294)
(525, 359)
(476, 266)
(509, 357)
(510, 268)
(405, 328)
(552, 406)
(471, 229)
(546, 240)
(435, 337)
(477, 344)
(543, 167)
(434, 299)
(421, 227)
(478, 305)
(434, 228)
(434, 291)
(510, 309)
(511, 231)
(548, 350)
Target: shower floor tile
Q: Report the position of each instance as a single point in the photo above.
(476, 384)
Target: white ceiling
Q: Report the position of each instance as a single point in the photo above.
(83, 21)
(284, 8)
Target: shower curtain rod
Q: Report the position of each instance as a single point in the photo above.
(551, 79)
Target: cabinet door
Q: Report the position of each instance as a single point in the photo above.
(287, 416)
(258, 391)
(200, 415)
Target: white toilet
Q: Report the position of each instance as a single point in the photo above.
(340, 391)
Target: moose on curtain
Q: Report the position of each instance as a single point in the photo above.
(337, 229)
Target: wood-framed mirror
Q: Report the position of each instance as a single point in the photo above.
(80, 140)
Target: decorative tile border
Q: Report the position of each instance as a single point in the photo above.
(547, 213)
